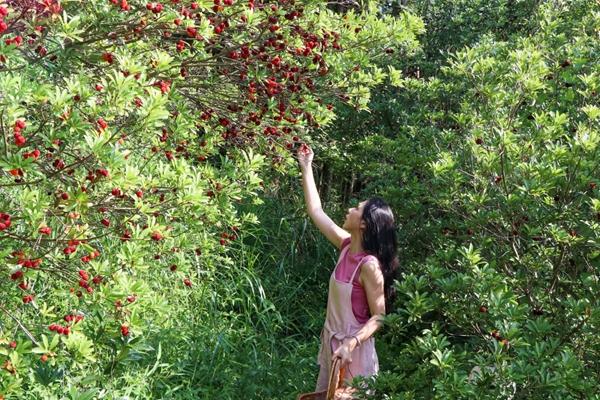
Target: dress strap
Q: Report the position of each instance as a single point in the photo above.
(341, 257)
(361, 262)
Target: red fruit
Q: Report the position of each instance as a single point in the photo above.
(223, 242)
(108, 57)
(69, 250)
(98, 87)
(16, 275)
(116, 192)
(64, 196)
(138, 102)
(19, 139)
(16, 172)
(479, 141)
(102, 124)
(187, 282)
(3, 11)
(483, 309)
(23, 285)
(139, 194)
(20, 124)
(103, 172)
(12, 344)
(177, 21)
(156, 236)
(44, 358)
(27, 299)
(126, 236)
(131, 298)
(84, 275)
(97, 279)
(173, 267)
(58, 164)
(105, 222)
(124, 330)
(191, 31)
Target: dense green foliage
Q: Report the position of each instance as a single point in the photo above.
(484, 139)
(489, 156)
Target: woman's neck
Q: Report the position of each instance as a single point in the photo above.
(356, 243)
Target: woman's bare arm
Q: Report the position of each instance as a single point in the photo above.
(332, 232)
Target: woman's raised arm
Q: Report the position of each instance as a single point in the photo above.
(332, 232)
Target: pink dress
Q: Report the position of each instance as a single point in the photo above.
(340, 323)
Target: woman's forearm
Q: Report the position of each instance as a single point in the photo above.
(311, 195)
(368, 330)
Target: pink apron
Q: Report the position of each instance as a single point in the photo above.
(339, 324)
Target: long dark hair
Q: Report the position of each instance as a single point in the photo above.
(379, 239)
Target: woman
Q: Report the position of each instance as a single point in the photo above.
(360, 286)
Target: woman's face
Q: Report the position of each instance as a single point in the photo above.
(353, 219)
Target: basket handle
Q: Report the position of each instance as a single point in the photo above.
(336, 378)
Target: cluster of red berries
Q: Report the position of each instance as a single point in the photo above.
(71, 247)
(61, 330)
(84, 282)
(4, 221)
(52, 5)
(122, 3)
(17, 41)
(156, 8)
(87, 258)
(19, 138)
(28, 263)
(102, 124)
(164, 86)
(3, 13)
(35, 154)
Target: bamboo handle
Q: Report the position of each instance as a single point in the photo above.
(336, 378)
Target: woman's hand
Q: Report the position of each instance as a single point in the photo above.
(344, 352)
(305, 155)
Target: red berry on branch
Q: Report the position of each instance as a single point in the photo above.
(191, 31)
(108, 57)
(105, 222)
(16, 275)
(187, 282)
(102, 124)
(27, 299)
(98, 87)
(46, 230)
(156, 236)
(124, 330)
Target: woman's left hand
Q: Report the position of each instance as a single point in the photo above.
(344, 352)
